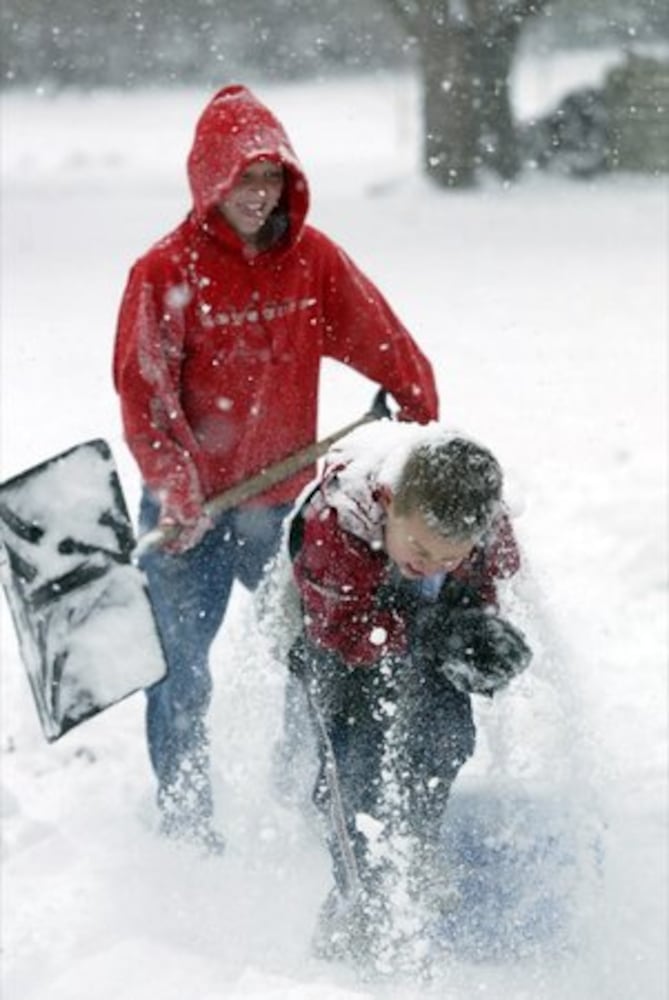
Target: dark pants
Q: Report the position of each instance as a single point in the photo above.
(399, 735)
(189, 594)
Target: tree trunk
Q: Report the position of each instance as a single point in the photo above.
(466, 53)
(451, 105)
(498, 139)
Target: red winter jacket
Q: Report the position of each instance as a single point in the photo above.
(217, 352)
(340, 565)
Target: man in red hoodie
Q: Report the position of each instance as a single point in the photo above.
(221, 332)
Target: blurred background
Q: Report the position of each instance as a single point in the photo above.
(462, 54)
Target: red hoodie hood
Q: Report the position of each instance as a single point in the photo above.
(234, 130)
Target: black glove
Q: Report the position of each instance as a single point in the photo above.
(477, 651)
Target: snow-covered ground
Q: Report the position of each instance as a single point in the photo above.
(544, 309)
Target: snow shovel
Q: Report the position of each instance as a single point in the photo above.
(80, 607)
(68, 566)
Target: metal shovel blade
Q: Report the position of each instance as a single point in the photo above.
(80, 606)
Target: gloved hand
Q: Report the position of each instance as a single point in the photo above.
(477, 651)
(179, 536)
(183, 521)
(382, 409)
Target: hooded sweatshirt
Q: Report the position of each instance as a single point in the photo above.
(218, 349)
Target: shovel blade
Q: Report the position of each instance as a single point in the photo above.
(85, 628)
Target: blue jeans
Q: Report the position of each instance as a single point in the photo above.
(189, 594)
(399, 734)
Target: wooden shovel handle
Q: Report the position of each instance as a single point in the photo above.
(273, 474)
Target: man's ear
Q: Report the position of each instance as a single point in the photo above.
(385, 497)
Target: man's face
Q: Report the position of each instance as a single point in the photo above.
(416, 549)
(256, 194)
